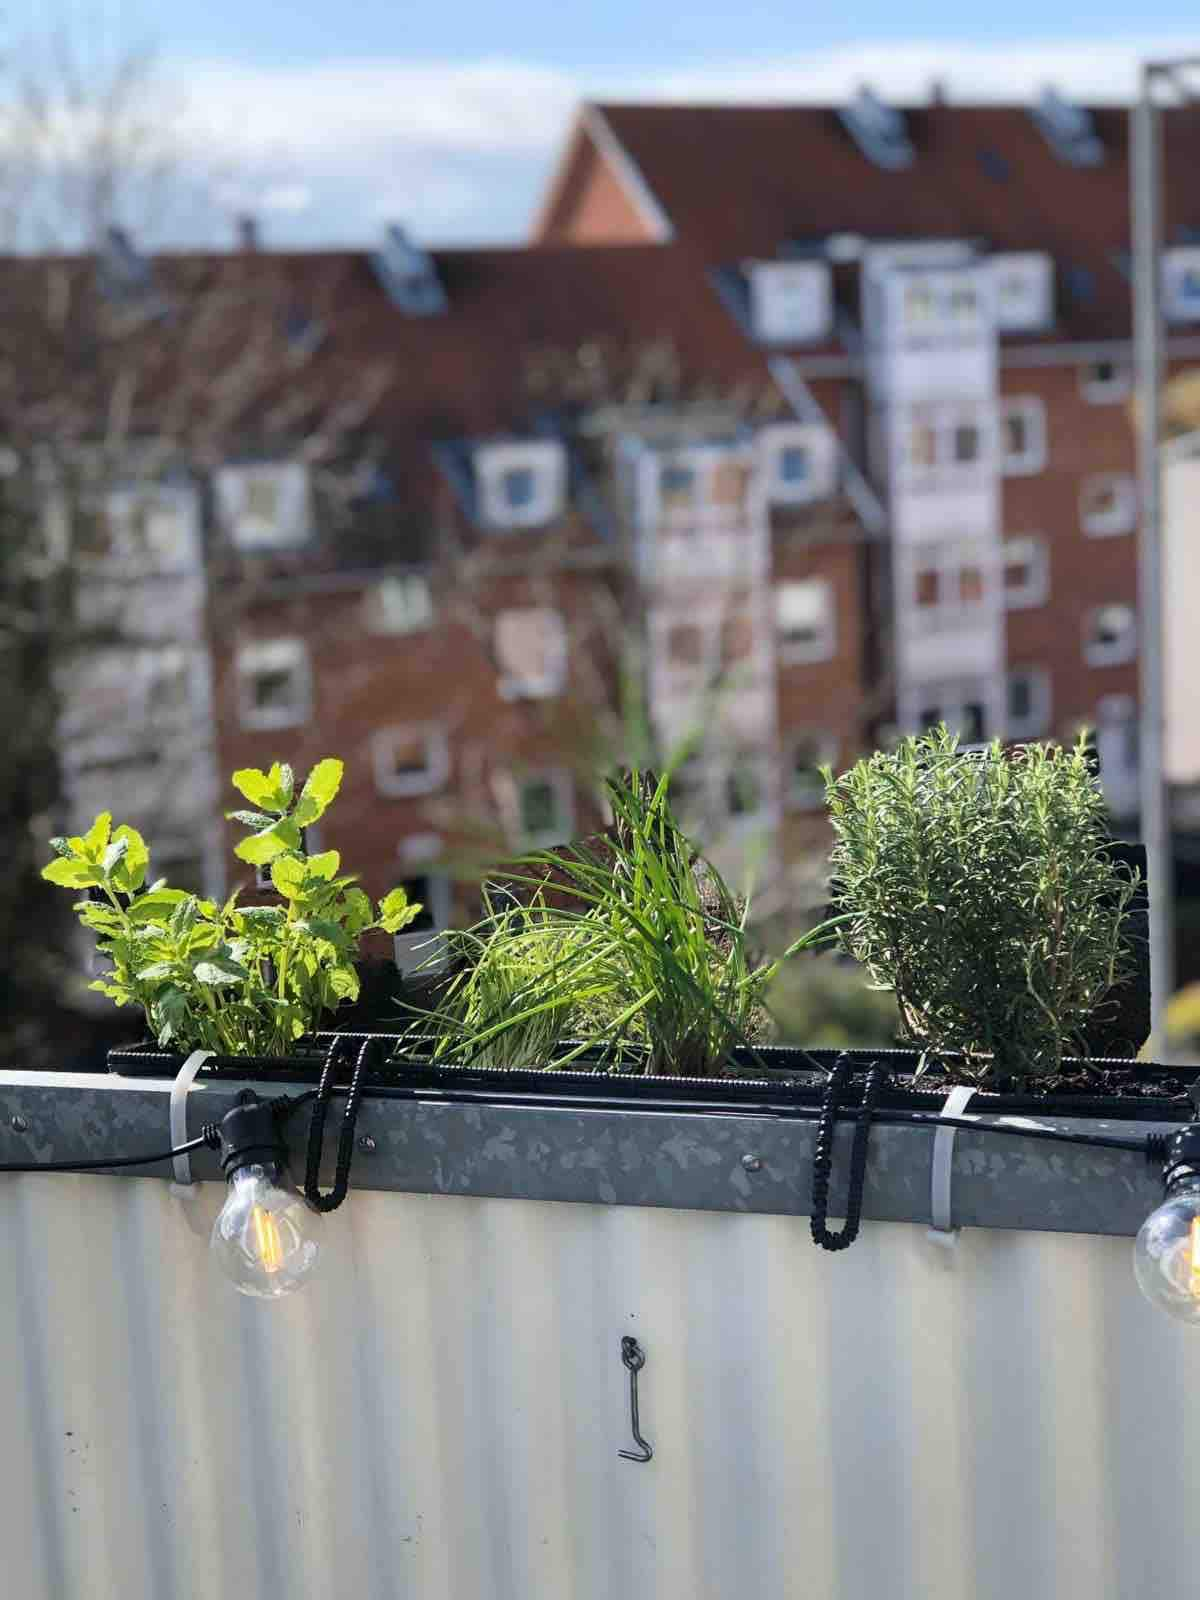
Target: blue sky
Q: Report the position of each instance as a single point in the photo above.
(330, 119)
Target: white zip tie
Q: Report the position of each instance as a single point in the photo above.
(184, 1078)
(942, 1230)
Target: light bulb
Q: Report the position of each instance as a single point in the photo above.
(263, 1236)
(1166, 1253)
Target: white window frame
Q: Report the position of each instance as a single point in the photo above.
(292, 528)
(437, 762)
(419, 616)
(1105, 392)
(953, 695)
(544, 459)
(553, 681)
(424, 950)
(1099, 654)
(260, 655)
(824, 646)
(1178, 265)
(1024, 463)
(723, 771)
(560, 781)
(947, 558)
(795, 796)
(1037, 591)
(811, 290)
(821, 447)
(703, 510)
(944, 418)
(1036, 269)
(1122, 518)
(1116, 719)
(1037, 724)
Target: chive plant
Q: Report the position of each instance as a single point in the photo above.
(630, 944)
(977, 886)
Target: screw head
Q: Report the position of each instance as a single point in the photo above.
(18, 1125)
(752, 1163)
(366, 1143)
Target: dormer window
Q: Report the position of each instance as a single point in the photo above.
(791, 302)
(265, 505)
(799, 462)
(521, 485)
(408, 275)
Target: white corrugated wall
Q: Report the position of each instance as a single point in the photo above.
(439, 1415)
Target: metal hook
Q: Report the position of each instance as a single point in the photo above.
(634, 1358)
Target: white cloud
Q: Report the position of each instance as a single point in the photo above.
(461, 150)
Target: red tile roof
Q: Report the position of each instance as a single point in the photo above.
(741, 180)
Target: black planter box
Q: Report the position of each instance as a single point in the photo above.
(1116, 1088)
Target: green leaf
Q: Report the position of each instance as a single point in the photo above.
(155, 904)
(72, 873)
(355, 911)
(116, 851)
(156, 969)
(112, 990)
(395, 912)
(251, 819)
(184, 916)
(97, 836)
(220, 971)
(283, 778)
(130, 872)
(60, 846)
(262, 847)
(344, 983)
(319, 791)
(288, 874)
(257, 788)
(325, 865)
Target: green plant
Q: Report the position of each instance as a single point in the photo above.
(238, 980)
(630, 943)
(979, 890)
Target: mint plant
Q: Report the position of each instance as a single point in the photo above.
(238, 980)
(978, 888)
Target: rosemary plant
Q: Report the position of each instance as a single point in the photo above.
(979, 890)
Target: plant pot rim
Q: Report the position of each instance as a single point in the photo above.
(784, 1074)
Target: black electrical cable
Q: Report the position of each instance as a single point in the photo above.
(823, 1156)
(316, 1130)
(210, 1139)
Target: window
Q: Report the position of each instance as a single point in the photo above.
(791, 302)
(1022, 435)
(920, 306)
(274, 685)
(1026, 572)
(1023, 283)
(413, 759)
(531, 652)
(541, 807)
(399, 605)
(804, 621)
(737, 637)
(745, 788)
(678, 485)
(1108, 504)
(950, 582)
(1105, 382)
(962, 706)
(1181, 285)
(807, 753)
(1028, 711)
(1109, 635)
(799, 462)
(419, 948)
(265, 506)
(947, 436)
(685, 645)
(521, 484)
(1117, 746)
(168, 683)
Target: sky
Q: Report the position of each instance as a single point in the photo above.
(330, 119)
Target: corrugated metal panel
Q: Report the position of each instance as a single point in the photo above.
(439, 1415)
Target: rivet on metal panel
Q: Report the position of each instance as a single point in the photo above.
(366, 1143)
(18, 1125)
(752, 1163)
(634, 1358)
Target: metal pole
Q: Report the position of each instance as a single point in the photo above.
(1146, 203)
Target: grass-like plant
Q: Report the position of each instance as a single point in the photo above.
(978, 888)
(631, 943)
(238, 980)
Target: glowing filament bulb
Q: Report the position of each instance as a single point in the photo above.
(269, 1245)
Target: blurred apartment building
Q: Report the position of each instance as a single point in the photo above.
(791, 427)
